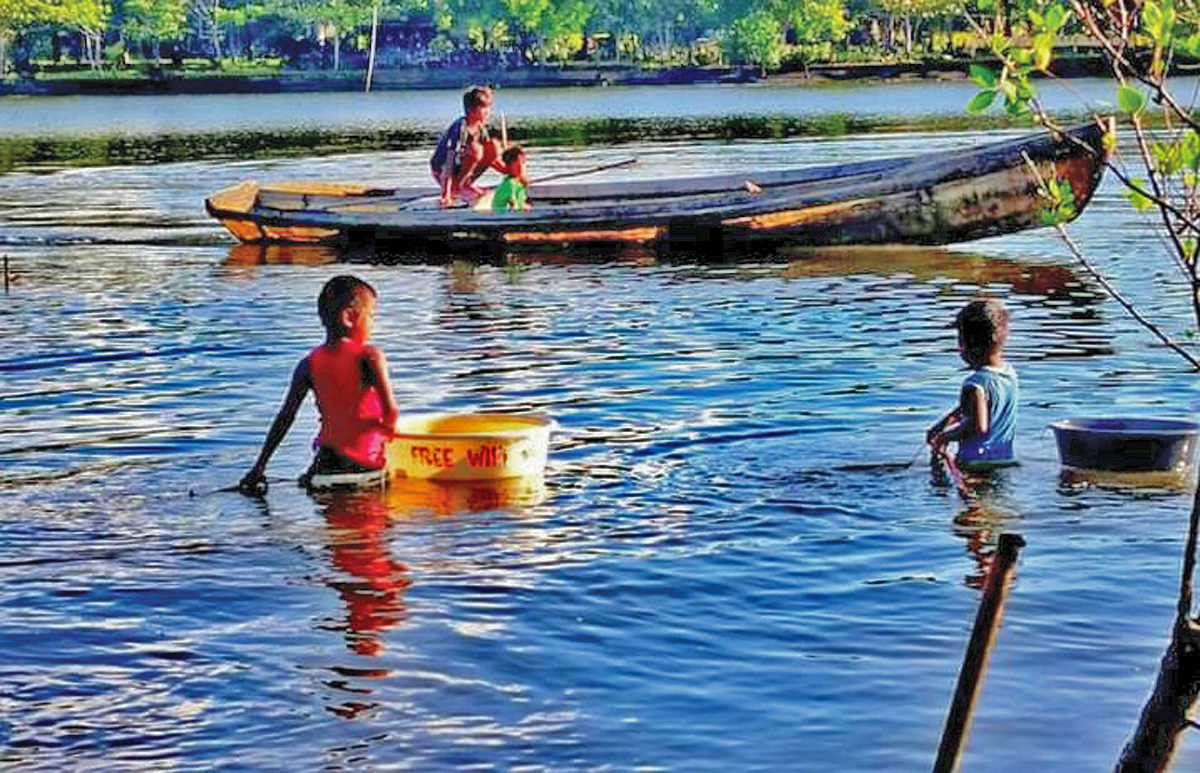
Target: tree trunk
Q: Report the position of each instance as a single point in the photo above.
(374, 39)
(337, 49)
(1165, 715)
(215, 28)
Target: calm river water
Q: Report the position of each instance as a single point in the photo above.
(726, 567)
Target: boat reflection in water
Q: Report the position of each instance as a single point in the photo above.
(369, 579)
(921, 263)
(929, 263)
(282, 255)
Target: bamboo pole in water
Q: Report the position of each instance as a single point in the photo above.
(971, 676)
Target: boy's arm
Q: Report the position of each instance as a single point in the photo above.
(974, 409)
(498, 157)
(446, 198)
(945, 429)
(255, 480)
(449, 139)
(377, 368)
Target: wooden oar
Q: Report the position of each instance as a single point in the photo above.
(581, 172)
(431, 196)
(557, 176)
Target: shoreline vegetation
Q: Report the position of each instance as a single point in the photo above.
(216, 79)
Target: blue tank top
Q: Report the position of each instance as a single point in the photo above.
(999, 385)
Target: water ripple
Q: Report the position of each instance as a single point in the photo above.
(737, 546)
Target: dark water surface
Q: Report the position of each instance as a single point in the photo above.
(728, 565)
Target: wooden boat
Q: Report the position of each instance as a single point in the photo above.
(933, 198)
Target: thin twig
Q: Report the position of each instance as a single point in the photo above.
(1128, 306)
(1108, 287)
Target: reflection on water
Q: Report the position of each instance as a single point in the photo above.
(738, 556)
(926, 264)
(371, 582)
(282, 255)
(1176, 481)
(988, 514)
(408, 497)
(369, 579)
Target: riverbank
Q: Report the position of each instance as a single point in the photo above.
(417, 78)
(396, 79)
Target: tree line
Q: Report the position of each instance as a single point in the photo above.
(101, 33)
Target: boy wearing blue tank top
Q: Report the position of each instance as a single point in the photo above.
(985, 420)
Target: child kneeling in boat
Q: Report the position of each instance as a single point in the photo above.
(350, 381)
(985, 420)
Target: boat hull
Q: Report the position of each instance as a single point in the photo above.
(929, 199)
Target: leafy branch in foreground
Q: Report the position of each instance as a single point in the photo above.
(1142, 41)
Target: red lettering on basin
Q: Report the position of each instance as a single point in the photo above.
(433, 456)
(487, 456)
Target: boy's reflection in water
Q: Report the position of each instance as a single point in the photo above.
(983, 519)
(372, 583)
(369, 580)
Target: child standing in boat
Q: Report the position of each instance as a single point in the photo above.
(350, 380)
(465, 150)
(985, 420)
(512, 193)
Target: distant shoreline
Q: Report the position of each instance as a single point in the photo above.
(410, 78)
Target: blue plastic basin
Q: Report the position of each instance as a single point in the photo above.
(1126, 445)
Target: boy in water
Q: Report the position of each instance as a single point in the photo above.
(465, 150)
(985, 419)
(513, 189)
(350, 381)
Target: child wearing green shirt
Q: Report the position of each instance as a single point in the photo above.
(512, 191)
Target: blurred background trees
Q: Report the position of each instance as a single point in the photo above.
(43, 35)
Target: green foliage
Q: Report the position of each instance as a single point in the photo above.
(1140, 201)
(147, 20)
(1130, 100)
(1059, 202)
(1158, 21)
(75, 14)
(814, 20)
(1023, 56)
(757, 38)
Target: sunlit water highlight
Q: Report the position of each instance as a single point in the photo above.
(729, 564)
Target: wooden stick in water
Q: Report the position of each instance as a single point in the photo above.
(975, 661)
(589, 170)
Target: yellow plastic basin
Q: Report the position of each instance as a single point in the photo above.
(469, 446)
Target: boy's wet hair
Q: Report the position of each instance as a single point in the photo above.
(982, 329)
(341, 293)
(476, 96)
(512, 154)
